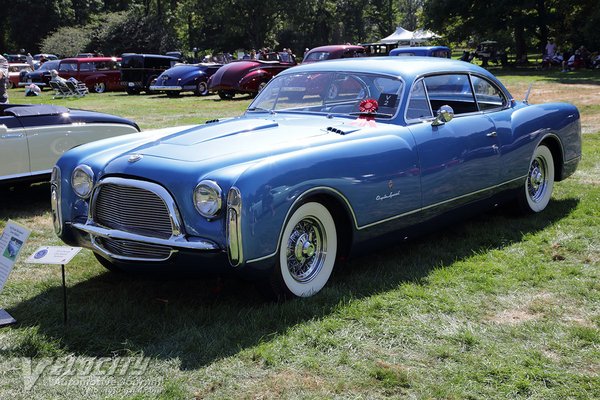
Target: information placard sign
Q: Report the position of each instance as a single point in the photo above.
(60, 255)
(12, 241)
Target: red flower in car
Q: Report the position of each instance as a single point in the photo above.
(368, 106)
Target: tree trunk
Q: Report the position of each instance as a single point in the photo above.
(542, 23)
(520, 43)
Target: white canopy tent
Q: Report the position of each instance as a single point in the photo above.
(422, 35)
(400, 35)
(409, 37)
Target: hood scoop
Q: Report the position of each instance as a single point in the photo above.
(342, 129)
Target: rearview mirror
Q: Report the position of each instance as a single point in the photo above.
(444, 114)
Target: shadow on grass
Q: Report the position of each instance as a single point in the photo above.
(22, 200)
(199, 321)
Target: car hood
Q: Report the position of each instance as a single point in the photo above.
(217, 145)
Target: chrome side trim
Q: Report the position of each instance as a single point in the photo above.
(323, 188)
(521, 178)
(234, 227)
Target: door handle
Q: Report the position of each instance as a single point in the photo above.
(492, 134)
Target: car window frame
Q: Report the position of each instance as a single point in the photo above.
(505, 105)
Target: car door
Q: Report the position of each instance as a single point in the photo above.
(14, 155)
(459, 159)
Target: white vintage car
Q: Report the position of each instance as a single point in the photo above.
(33, 137)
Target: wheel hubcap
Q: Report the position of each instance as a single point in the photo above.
(537, 182)
(306, 249)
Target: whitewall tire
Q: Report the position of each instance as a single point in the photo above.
(537, 190)
(307, 252)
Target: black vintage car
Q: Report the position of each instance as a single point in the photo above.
(138, 71)
(184, 78)
(40, 76)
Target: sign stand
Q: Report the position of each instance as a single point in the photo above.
(62, 266)
(12, 240)
(56, 255)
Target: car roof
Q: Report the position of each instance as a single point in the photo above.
(408, 68)
(335, 47)
(92, 59)
(408, 49)
(144, 55)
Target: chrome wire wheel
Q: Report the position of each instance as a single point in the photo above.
(307, 250)
(540, 180)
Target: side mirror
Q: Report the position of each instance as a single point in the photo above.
(444, 114)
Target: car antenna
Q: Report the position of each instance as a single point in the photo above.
(526, 99)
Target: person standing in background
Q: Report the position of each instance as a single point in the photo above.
(3, 80)
(29, 60)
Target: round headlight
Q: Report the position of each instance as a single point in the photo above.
(208, 198)
(82, 181)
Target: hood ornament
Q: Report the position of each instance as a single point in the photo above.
(134, 158)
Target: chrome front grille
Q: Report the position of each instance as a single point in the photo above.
(132, 209)
(131, 249)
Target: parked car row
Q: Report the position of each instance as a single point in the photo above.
(136, 73)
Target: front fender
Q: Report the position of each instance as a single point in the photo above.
(355, 173)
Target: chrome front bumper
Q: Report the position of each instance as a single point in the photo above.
(166, 88)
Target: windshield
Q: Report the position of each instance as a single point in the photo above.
(338, 93)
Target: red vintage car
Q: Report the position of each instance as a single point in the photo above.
(323, 53)
(98, 73)
(14, 73)
(248, 76)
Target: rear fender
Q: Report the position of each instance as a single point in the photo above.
(252, 80)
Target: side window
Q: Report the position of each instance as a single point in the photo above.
(418, 106)
(67, 67)
(453, 90)
(488, 96)
(101, 66)
(86, 66)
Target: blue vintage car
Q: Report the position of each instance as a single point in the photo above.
(329, 158)
(185, 78)
(422, 51)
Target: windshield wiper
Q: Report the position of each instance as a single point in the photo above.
(370, 114)
(261, 109)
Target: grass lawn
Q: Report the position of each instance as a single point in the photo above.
(498, 307)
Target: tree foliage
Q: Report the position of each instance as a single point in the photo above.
(114, 26)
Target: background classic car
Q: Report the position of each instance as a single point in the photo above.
(333, 52)
(298, 182)
(40, 76)
(422, 51)
(248, 76)
(33, 137)
(185, 77)
(98, 73)
(139, 71)
(14, 73)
